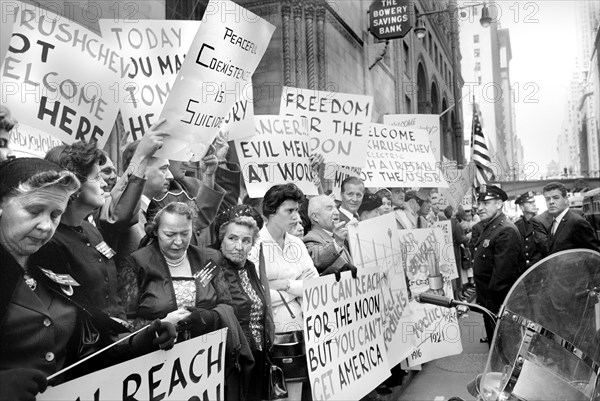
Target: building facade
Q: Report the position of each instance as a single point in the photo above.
(325, 45)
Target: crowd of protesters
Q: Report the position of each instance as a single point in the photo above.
(177, 256)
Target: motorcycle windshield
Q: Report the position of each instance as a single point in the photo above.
(547, 343)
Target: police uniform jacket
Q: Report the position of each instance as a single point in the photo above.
(532, 253)
(497, 260)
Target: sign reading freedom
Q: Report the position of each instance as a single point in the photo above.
(192, 370)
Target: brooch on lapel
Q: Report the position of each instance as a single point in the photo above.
(65, 281)
(486, 243)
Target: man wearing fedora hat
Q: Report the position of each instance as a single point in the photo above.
(498, 252)
(527, 204)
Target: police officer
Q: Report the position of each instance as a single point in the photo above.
(498, 252)
(527, 204)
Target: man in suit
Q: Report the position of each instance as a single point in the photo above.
(352, 192)
(326, 240)
(498, 252)
(559, 228)
(527, 204)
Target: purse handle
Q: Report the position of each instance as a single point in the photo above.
(286, 305)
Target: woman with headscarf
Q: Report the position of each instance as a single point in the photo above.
(236, 231)
(40, 324)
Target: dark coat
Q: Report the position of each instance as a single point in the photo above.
(573, 232)
(147, 289)
(498, 259)
(44, 329)
(322, 250)
(532, 252)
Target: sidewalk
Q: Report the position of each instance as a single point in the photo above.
(447, 377)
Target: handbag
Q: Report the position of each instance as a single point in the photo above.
(289, 352)
(274, 386)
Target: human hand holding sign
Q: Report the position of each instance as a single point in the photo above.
(340, 232)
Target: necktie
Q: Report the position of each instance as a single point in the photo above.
(554, 227)
(355, 215)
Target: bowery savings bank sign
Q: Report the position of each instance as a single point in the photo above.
(389, 19)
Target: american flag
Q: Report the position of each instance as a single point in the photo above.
(480, 153)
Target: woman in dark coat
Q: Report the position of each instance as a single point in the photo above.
(183, 284)
(237, 230)
(40, 323)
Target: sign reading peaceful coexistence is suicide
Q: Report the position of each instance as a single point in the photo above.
(216, 73)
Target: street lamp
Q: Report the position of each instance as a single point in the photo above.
(421, 31)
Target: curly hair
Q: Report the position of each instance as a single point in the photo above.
(278, 194)
(180, 208)
(79, 158)
(245, 221)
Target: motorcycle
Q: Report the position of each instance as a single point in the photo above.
(546, 343)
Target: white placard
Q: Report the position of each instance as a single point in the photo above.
(216, 73)
(428, 122)
(339, 122)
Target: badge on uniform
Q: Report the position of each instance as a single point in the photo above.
(207, 273)
(105, 250)
(486, 243)
(65, 280)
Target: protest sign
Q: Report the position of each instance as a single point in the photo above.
(215, 74)
(337, 174)
(239, 122)
(428, 122)
(460, 182)
(339, 122)
(399, 157)
(447, 247)
(435, 329)
(46, 79)
(374, 243)
(155, 51)
(343, 335)
(27, 141)
(192, 370)
(6, 28)
(276, 154)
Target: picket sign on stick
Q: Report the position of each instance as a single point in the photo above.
(156, 50)
(215, 74)
(345, 348)
(192, 370)
(339, 122)
(400, 157)
(60, 372)
(46, 81)
(278, 153)
(374, 243)
(428, 122)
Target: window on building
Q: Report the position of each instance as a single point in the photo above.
(475, 38)
(406, 58)
(477, 66)
(477, 52)
(479, 80)
(435, 55)
(407, 105)
(430, 45)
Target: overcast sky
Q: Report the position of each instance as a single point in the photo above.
(544, 48)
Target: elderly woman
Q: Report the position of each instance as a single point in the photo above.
(287, 261)
(181, 283)
(237, 230)
(40, 325)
